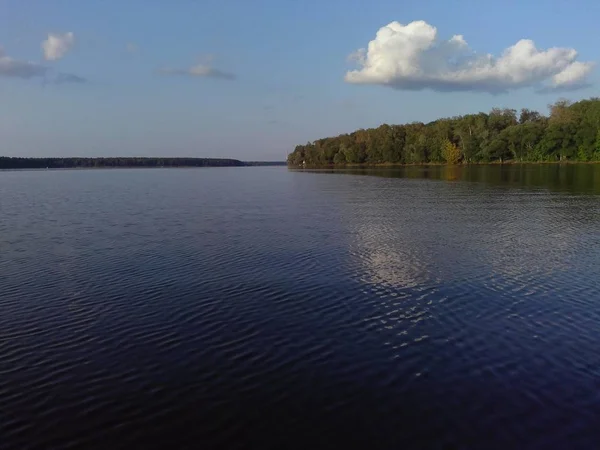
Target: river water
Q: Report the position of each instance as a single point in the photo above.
(268, 308)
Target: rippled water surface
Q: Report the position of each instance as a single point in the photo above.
(267, 308)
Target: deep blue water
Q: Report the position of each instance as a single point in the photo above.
(267, 308)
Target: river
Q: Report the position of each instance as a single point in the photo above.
(446, 307)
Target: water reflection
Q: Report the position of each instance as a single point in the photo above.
(442, 261)
(574, 178)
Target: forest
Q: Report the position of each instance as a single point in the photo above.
(70, 163)
(570, 132)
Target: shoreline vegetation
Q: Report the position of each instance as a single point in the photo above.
(570, 133)
(12, 163)
(509, 162)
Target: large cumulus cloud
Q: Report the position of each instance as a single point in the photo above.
(412, 57)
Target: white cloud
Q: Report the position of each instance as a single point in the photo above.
(572, 74)
(412, 57)
(10, 67)
(199, 70)
(57, 45)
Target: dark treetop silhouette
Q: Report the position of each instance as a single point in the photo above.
(66, 163)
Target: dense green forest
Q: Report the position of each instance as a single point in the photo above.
(570, 132)
(68, 163)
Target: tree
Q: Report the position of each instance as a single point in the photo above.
(450, 152)
(528, 116)
(340, 157)
(596, 154)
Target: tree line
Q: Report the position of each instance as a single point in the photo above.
(570, 132)
(69, 163)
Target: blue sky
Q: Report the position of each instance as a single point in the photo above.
(251, 79)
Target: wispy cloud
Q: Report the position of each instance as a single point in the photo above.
(203, 69)
(65, 78)
(199, 70)
(15, 68)
(57, 45)
(412, 57)
(10, 67)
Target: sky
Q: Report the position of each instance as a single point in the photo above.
(252, 79)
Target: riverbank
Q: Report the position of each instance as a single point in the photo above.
(436, 164)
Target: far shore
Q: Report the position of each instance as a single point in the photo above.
(128, 162)
(43, 169)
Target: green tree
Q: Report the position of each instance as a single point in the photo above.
(450, 152)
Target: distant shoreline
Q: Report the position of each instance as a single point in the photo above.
(37, 169)
(16, 163)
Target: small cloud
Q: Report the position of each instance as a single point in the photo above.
(10, 67)
(199, 70)
(65, 78)
(132, 48)
(57, 45)
(412, 57)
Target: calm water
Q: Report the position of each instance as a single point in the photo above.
(261, 307)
